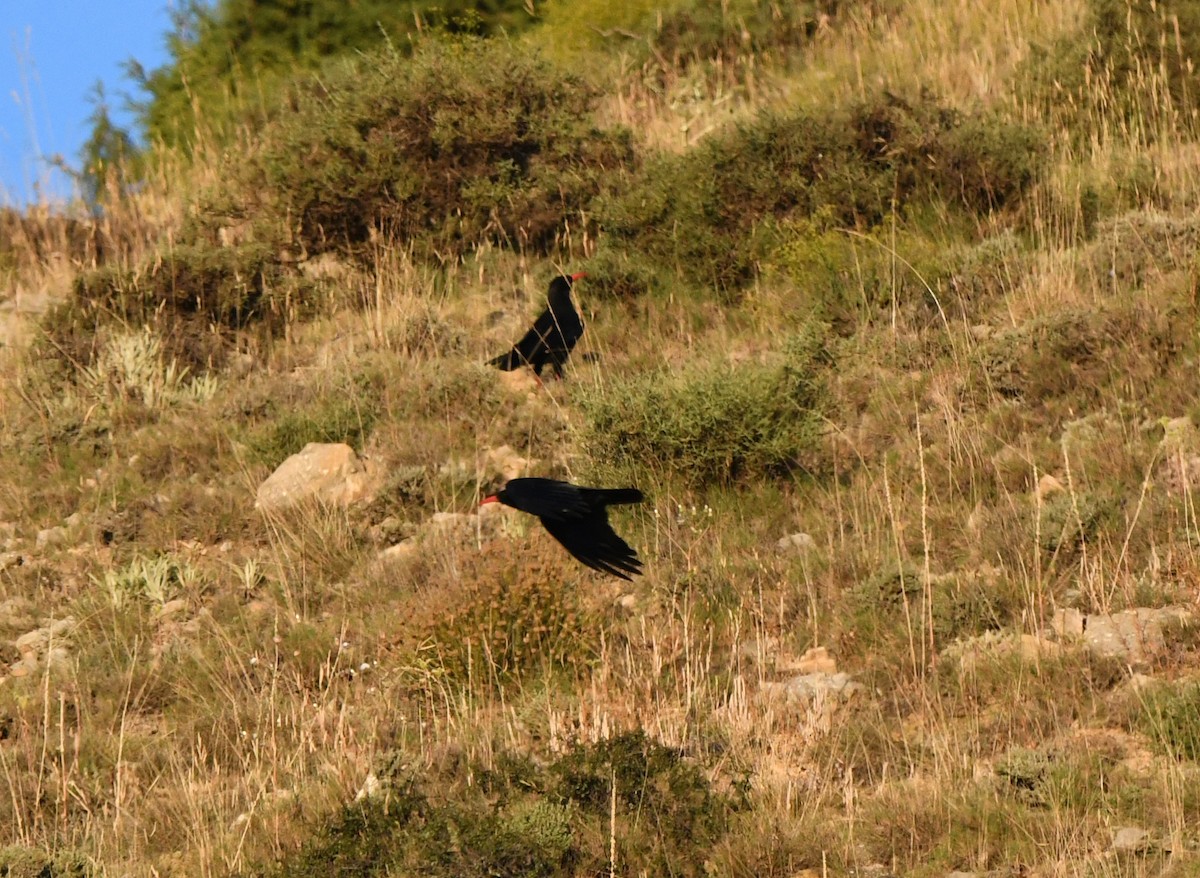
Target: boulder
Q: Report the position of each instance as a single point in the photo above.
(330, 472)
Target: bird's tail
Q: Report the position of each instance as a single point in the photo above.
(506, 361)
(617, 496)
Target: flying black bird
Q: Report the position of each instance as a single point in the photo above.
(553, 335)
(578, 518)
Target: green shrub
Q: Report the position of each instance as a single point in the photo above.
(846, 278)
(228, 286)
(1170, 715)
(708, 31)
(519, 818)
(466, 141)
(518, 619)
(18, 861)
(1128, 69)
(712, 424)
(708, 213)
(340, 414)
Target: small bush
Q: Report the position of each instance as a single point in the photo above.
(1170, 715)
(516, 617)
(705, 213)
(150, 580)
(343, 414)
(18, 861)
(712, 424)
(711, 31)
(845, 278)
(519, 819)
(227, 286)
(1131, 250)
(1129, 68)
(466, 141)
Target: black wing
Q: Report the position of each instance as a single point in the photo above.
(532, 347)
(564, 327)
(592, 540)
(546, 498)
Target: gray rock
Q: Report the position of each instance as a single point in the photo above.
(1132, 839)
(370, 788)
(506, 463)
(797, 543)
(330, 472)
(805, 688)
(51, 536)
(1134, 636)
(171, 608)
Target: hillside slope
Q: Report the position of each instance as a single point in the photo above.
(891, 313)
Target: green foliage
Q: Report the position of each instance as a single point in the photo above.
(155, 581)
(109, 154)
(520, 819)
(228, 286)
(515, 617)
(1170, 715)
(694, 32)
(705, 213)
(18, 861)
(712, 423)
(621, 275)
(338, 416)
(464, 142)
(845, 277)
(230, 58)
(1115, 73)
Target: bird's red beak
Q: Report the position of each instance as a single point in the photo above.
(576, 277)
(491, 499)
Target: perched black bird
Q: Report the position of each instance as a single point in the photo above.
(553, 335)
(578, 518)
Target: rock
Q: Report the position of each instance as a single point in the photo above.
(51, 536)
(170, 608)
(398, 551)
(993, 645)
(1133, 636)
(1132, 839)
(450, 519)
(370, 788)
(816, 660)
(46, 644)
(1048, 486)
(505, 462)
(814, 687)
(31, 641)
(329, 472)
(1179, 435)
(797, 543)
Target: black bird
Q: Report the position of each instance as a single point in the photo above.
(553, 335)
(578, 518)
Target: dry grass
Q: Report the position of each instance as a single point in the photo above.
(209, 739)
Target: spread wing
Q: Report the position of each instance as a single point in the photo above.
(591, 539)
(547, 498)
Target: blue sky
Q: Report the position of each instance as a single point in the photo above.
(51, 54)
